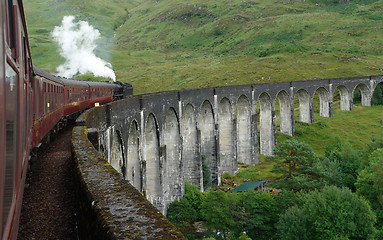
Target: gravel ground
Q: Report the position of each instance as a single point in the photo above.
(48, 204)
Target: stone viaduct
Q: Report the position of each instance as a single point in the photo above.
(157, 141)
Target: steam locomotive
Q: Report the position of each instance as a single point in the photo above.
(33, 104)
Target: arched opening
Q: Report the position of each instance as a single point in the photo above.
(190, 159)
(226, 142)
(171, 135)
(133, 169)
(266, 125)
(343, 96)
(324, 102)
(243, 115)
(361, 95)
(377, 96)
(304, 106)
(208, 142)
(116, 153)
(153, 172)
(285, 113)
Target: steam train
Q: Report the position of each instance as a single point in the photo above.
(33, 104)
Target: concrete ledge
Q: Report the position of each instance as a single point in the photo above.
(108, 206)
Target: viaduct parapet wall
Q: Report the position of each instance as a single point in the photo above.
(157, 141)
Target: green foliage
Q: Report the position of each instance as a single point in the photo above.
(232, 214)
(194, 196)
(181, 213)
(256, 214)
(342, 159)
(332, 213)
(296, 162)
(216, 211)
(370, 180)
(205, 171)
(185, 212)
(377, 98)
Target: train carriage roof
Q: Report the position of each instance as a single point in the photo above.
(69, 81)
(46, 75)
(99, 84)
(74, 83)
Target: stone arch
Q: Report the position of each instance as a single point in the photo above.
(133, 166)
(208, 141)
(243, 116)
(192, 165)
(286, 125)
(305, 106)
(365, 94)
(153, 176)
(172, 176)
(325, 102)
(266, 125)
(345, 98)
(227, 159)
(117, 153)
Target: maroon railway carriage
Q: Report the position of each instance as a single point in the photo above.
(48, 104)
(100, 92)
(56, 99)
(76, 96)
(16, 113)
(79, 95)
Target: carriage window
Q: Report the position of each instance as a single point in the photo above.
(9, 24)
(45, 97)
(26, 116)
(37, 94)
(11, 133)
(26, 58)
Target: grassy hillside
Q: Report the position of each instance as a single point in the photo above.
(169, 44)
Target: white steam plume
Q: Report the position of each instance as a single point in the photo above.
(77, 42)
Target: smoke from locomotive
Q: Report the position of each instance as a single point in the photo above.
(77, 42)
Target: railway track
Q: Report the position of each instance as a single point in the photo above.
(48, 205)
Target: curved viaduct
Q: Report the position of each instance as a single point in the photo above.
(157, 141)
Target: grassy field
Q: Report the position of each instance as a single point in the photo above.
(168, 44)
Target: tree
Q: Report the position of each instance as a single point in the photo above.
(185, 212)
(370, 180)
(297, 164)
(181, 213)
(332, 213)
(194, 196)
(344, 159)
(216, 211)
(260, 214)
